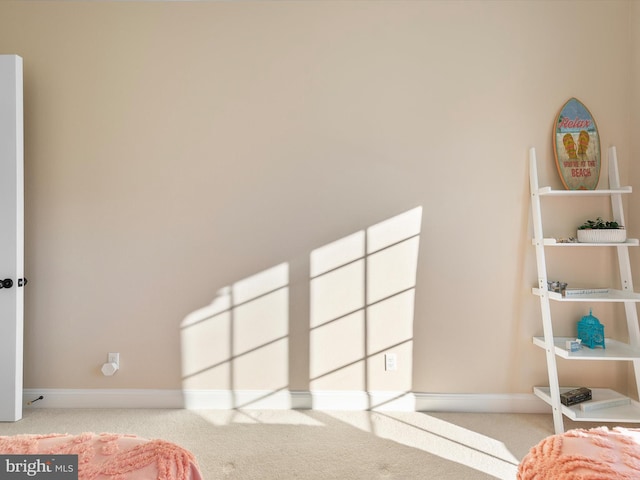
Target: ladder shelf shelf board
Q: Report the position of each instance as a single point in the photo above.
(606, 405)
(552, 242)
(548, 191)
(615, 350)
(626, 413)
(612, 295)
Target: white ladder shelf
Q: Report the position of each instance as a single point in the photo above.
(629, 410)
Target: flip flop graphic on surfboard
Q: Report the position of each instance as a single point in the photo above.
(576, 147)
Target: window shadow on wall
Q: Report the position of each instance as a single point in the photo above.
(240, 342)
(362, 308)
(235, 351)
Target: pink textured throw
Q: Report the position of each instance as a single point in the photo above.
(112, 456)
(598, 453)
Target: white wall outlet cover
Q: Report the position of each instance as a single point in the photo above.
(390, 362)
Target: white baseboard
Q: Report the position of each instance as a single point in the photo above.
(284, 399)
(102, 398)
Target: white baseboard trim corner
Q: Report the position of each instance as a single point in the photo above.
(283, 400)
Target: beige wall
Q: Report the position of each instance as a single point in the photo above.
(244, 169)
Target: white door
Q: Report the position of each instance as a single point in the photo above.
(11, 237)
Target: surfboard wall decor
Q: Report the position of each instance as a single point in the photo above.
(576, 147)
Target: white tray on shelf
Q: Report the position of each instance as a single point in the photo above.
(629, 413)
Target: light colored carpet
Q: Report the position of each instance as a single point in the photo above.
(311, 444)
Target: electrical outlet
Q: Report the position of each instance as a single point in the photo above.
(113, 358)
(390, 362)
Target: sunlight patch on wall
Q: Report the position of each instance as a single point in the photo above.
(337, 254)
(361, 307)
(392, 270)
(205, 360)
(339, 366)
(337, 293)
(394, 230)
(362, 297)
(241, 340)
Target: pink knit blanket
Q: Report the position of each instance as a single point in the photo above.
(598, 453)
(111, 456)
